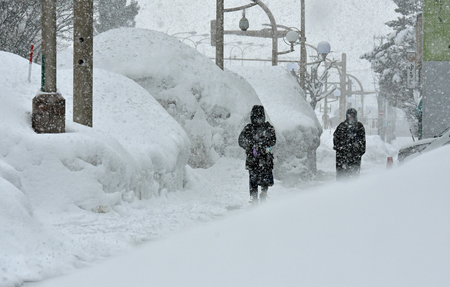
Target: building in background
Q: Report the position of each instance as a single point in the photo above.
(436, 67)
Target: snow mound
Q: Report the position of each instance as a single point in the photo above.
(135, 150)
(144, 157)
(298, 130)
(210, 104)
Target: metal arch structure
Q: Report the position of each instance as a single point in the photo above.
(220, 29)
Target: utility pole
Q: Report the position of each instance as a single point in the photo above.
(219, 32)
(343, 88)
(83, 62)
(48, 106)
(325, 111)
(302, 46)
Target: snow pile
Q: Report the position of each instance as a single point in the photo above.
(385, 229)
(297, 127)
(135, 149)
(210, 104)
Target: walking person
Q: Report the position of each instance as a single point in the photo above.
(350, 144)
(257, 139)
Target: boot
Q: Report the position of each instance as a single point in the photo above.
(263, 194)
(254, 195)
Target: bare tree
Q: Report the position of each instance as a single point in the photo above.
(316, 84)
(20, 25)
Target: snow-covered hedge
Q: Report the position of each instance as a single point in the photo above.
(210, 104)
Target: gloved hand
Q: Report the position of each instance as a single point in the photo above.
(254, 152)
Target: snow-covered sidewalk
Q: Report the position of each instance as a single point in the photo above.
(91, 237)
(385, 229)
(209, 194)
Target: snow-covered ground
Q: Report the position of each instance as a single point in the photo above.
(389, 228)
(123, 190)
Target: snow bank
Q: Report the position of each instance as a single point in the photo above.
(134, 141)
(210, 104)
(135, 149)
(297, 127)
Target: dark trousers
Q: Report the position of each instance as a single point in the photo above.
(263, 178)
(347, 170)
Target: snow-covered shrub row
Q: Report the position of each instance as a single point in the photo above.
(298, 130)
(210, 104)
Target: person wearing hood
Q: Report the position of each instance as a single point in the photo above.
(257, 139)
(350, 144)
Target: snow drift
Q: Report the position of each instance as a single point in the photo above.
(210, 104)
(135, 149)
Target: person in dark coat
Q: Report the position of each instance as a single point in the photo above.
(350, 144)
(257, 139)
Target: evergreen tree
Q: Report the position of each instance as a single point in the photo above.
(114, 14)
(389, 60)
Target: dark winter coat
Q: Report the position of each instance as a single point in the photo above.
(256, 139)
(349, 142)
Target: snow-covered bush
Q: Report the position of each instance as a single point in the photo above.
(210, 104)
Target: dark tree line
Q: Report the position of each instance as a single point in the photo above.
(20, 21)
(114, 13)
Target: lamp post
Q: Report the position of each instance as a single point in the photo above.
(192, 34)
(48, 106)
(343, 88)
(324, 48)
(302, 46)
(219, 32)
(217, 28)
(248, 45)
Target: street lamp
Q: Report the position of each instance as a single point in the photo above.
(323, 48)
(217, 27)
(292, 36)
(242, 50)
(195, 43)
(243, 23)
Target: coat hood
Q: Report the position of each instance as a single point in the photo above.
(258, 116)
(351, 116)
